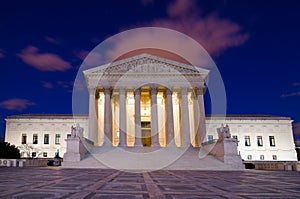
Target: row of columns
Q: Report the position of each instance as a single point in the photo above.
(185, 119)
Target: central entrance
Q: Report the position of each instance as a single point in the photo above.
(146, 118)
(146, 134)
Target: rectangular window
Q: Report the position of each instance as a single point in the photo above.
(57, 138)
(247, 140)
(249, 157)
(274, 157)
(259, 141)
(45, 154)
(210, 138)
(235, 137)
(33, 154)
(46, 139)
(35, 139)
(261, 157)
(24, 138)
(272, 140)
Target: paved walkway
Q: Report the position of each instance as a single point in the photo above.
(95, 183)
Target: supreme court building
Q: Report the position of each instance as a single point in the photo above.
(147, 101)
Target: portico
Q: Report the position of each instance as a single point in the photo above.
(146, 101)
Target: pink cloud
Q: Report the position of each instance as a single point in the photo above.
(48, 85)
(51, 40)
(16, 104)
(90, 58)
(43, 61)
(293, 94)
(146, 2)
(214, 33)
(1, 53)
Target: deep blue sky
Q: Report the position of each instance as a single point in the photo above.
(260, 71)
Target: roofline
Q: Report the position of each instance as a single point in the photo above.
(208, 116)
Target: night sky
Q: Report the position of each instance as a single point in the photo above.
(254, 43)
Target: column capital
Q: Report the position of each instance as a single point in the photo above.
(137, 91)
(153, 90)
(184, 90)
(107, 90)
(169, 91)
(92, 90)
(198, 91)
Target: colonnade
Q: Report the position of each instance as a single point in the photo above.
(180, 109)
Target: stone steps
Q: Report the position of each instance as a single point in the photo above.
(150, 158)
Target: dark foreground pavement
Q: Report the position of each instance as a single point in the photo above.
(95, 183)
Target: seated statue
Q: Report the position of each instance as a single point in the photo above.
(224, 132)
(76, 131)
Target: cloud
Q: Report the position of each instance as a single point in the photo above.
(90, 58)
(43, 61)
(215, 34)
(16, 104)
(1, 53)
(292, 94)
(51, 40)
(48, 85)
(146, 2)
(296, 84)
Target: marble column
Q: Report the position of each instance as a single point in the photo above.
(170, 119)
(154, 117)
(137, 117)
(92, 115)
(122, 119)
(185, 120)
(196, 110)
(107, 116)
(202, 125)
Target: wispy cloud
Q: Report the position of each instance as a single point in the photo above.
(296, 84)
(1, 53)
(147, 2)
(16, 104)
(48, 85)
(43, 61)
(51, 40)
(90, 58)
(214, 33)
(292, 94)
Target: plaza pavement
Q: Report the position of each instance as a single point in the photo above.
(57, 182)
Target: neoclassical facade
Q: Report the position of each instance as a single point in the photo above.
(146, 100)
(149, 101)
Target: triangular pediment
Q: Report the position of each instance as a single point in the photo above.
(146, 63)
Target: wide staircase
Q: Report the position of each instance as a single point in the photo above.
(150, 158)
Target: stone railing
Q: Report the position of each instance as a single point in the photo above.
(12, 162)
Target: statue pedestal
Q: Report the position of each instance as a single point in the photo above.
(76, 149)
(225, 150)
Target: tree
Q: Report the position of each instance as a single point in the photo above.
(8, 151)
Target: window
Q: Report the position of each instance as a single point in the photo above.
(274, 157)
(247, 141)
(46, 139)
(35, 139)
(259, 141)
(261, 157)
(210, 138)
(249, 157)
(33, 154)
(272, 140)
(24, 138)
(57, 138)
(235, 137)
(22, 154)
(45, 154)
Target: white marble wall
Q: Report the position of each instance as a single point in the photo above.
(280, 128)
(15, 127)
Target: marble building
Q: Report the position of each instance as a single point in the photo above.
(149, 101)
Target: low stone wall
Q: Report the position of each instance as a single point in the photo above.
(278, 166)
(35, 162)
(11, 163)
